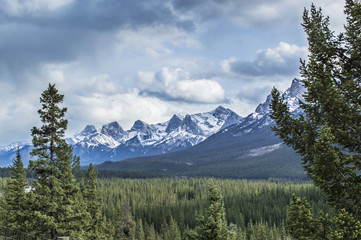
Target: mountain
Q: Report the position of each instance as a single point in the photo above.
(143, 139)
(247, 149)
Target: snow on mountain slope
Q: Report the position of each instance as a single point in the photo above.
(144, 139)
(260, 118)
(112, 142)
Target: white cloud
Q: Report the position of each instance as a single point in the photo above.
(178, 86)
(259, 13)
(155, 41)
(282, 60)
(17, 7)
(125, 108)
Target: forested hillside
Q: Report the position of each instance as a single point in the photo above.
(255, 207)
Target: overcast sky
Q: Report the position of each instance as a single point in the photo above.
(127, 60)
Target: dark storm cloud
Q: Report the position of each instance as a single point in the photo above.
(31, 37)
(101, 15)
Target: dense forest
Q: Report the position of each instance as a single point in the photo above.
(254, 207)
(62, 202)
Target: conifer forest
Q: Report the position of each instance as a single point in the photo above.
(54, 197)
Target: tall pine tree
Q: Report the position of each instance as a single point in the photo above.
(213, 224)
(57, 202)
(327, 135)
(15, 201)
(97, 224)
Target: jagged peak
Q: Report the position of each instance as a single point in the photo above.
(220, 110)
(89, 129)
(112, 125)
(296, 89)
(139, 125)
(265, 106)
(188, 118)
(175, 122)
(112, 129)
(176, 116)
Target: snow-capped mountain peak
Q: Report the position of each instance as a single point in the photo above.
(89, 129)
(140, 126)
(264, 108)
(113, 129)
(174, 123)
(260, 118)
(294, 94)
(112, 142)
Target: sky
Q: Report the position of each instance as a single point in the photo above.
(127, 60)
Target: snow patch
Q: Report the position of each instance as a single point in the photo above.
(264, 150)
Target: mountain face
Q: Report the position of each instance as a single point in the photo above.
(203, 144)
(143, 139)
(247, 149)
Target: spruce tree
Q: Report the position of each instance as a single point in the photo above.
(97, 225)
(150, 233)
(327, 135)
(300, 220)
(124, 223)
(56, 199)
(213, 224)
(139, 230)
(15, 201)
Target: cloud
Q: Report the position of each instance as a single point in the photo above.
(282, 60)
(100, 15)
(37, 32)
(16, 7)
(261, 13)
(254, 95)
(176, 85)
(125, 107)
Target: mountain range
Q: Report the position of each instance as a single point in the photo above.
(216, 143)
(246, 149)
(143, 139)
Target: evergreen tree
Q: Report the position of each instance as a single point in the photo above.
(97, 225)
(150, 233)
(139, 231)
(213, 225)
(300, 220)
(124, 223)
(303, 225)
(328, 134)
(56, 200)
(171, 230)
(15, 201)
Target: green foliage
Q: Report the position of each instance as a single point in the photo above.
(157, 201)
(303, 225)
(56, 203)
(213, 224)
(328, 134)
(253, 209)
(300, 220)
(14, 203)
(124, 223)
(97, 227)
(139, 230)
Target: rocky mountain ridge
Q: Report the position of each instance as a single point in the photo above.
(112, 142)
